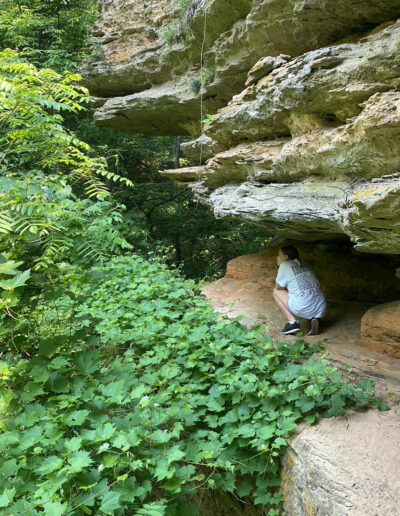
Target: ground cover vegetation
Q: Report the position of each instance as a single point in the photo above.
(121, 392)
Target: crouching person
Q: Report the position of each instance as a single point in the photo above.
(298, 292)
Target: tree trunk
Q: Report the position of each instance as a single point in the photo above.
(176, 150)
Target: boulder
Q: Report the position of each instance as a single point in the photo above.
(380, 328)
(344, 466)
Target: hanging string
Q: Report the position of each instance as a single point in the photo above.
(201, 79)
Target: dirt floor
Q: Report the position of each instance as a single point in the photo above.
(340, 329)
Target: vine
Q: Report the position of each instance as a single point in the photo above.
(136, 396)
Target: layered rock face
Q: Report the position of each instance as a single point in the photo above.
(344, 466)
(322, 151)
(380, 328)
(305, 134)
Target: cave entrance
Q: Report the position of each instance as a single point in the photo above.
(362, 325)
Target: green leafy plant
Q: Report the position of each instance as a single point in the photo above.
(195, 85)
(207, 119)
(32, 132)
(141, 395)
(43, 222)
(173, 28)
(208, 77)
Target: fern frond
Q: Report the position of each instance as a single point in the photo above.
(6, 223)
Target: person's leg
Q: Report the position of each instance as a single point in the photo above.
(281, 299)
(313, 326)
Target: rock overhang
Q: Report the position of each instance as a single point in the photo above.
(309, 146)
(229, 36)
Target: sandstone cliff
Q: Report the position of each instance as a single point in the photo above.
(305, 137)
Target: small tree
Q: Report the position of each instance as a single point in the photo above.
(43, 169)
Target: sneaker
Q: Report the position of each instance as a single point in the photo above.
(291, 328)
(313, 327)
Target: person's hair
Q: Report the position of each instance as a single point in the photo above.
(290, 251)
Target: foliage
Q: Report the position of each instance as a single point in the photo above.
(173, 27)
(32, 134)
(159, 218)
(42, 221)
(52, 33)
(195, 85)
(146, 396)
(181, 230)
(162, 219)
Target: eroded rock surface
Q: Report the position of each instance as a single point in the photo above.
(305, 93)
(380, 328)
(315, 146)
(345, 466)
(139, 70)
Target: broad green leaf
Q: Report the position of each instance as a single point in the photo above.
(8, 439)
(32, 415)
(244, 488)
(266, 432)
(110, 502)
(54, 509)
(121, 441)
(88, 361)
(77, 417)
(163, 469)
(366, 384)
(246, 430)
(9, 267)
(31, 391)
(152, 509)
(7, 497)
(109, 461)
(73, 444)
(174, 454)
(30, 437)
(18, 281)
(40, 374)
(278, 442)
(50, 464)
(161, 436)
(9, 468)
(79, 460)
(6, 396)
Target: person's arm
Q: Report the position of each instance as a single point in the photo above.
(281, 278)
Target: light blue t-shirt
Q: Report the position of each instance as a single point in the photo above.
(306, 298)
